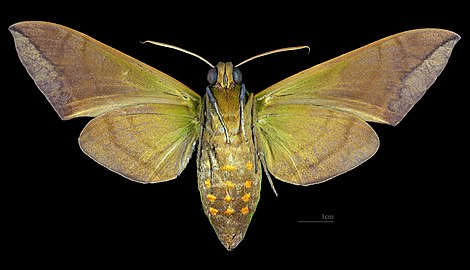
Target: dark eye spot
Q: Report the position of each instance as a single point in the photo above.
(212, 76)
(237, 75)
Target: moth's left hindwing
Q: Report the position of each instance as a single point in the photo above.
(145, 117)
(305, 144)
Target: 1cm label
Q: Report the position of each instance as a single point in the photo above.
(327, 217)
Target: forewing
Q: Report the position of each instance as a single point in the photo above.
(83, 77)
(305, 144)
(379, 82)
(145, 143)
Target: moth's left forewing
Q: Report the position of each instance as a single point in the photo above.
(379, 82)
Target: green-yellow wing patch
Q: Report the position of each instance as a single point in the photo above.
(305, 144)
(81, 76)
(145, 143)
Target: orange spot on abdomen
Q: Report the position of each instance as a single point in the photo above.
(213, 211)
(230, 184)
(228, 168)
(211, 197)
(229, 211)
(248, 184)
(246, 197)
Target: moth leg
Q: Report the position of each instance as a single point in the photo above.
(263, 162)
(203, 121)
(212, 163)
(242, 114)
(259, 151)
(217, 111)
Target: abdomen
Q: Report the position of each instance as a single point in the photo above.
(229, 180)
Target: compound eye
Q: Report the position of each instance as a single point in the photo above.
(237, 75)
(212, 76)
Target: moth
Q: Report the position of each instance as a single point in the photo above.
(303, 130)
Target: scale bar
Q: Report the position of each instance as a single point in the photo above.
(315, 221)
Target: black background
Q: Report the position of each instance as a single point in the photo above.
(403, 205)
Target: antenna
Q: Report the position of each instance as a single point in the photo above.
(243, 62)
(275, 51)
(178, 49)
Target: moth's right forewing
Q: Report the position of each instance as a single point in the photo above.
(81, 76)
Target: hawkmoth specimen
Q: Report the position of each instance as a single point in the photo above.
(303, 130)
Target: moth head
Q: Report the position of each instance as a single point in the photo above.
(224, 75)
